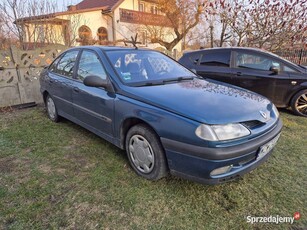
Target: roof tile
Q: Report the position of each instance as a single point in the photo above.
(88, 4)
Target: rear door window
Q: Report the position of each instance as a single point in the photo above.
(216, 58)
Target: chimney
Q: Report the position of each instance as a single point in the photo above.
(72, 8)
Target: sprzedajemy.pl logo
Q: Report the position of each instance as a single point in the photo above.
(273, 219)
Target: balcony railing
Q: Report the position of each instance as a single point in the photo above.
(137, 17)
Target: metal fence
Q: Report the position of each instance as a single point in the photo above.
(296, 56)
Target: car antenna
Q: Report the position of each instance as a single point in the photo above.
(133, 41)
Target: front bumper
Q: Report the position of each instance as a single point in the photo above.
(196, 163)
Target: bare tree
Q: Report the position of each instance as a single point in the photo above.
(11, 10)
(182, 16)
(36, 21)
(276, 24)
(266, 24)
(70, 31)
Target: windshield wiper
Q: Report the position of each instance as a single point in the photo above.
(162, 82)
(150, 83)
(177, 79)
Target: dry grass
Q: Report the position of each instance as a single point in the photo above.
(63, 177)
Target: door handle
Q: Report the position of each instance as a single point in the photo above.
(76, 89)
(239, 74)
(51, 81)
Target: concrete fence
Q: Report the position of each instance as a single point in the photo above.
(19, 74)
(20, 71)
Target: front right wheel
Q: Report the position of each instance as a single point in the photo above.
(299, 103)
(145, 152)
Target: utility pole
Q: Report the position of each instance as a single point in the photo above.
(211, 35)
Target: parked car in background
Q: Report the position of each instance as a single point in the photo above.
(164, 116)
(283, 82)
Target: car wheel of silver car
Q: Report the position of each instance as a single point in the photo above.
(145, 153)
(51, 109)
(299, 103)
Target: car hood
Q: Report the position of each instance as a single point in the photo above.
(205, 101)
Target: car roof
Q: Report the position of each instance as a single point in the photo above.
(243, 48)
(108, 48)
(230, 48)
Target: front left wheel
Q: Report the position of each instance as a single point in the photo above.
(145, 153)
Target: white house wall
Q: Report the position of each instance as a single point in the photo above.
(44, 33)
(126, 30)
(95, 19)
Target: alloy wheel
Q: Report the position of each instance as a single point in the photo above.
(301, 104)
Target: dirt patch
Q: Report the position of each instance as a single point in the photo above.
(7, 109)
(45, 169)
(18, 168)
(7, 164)
(77, 159)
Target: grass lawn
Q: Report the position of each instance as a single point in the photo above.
(61, 176)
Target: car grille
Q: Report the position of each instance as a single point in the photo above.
(252, 124)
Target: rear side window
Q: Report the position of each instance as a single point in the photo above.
(65, 65)
(53, 66)
(216, 58)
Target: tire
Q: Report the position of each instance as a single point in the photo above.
(51, 109)
(145, 153)
(299, 103)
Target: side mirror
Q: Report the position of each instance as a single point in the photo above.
(1, 68)
(95, 81)
(194, 71)
(274, 69)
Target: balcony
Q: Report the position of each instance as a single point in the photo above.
(137, 17)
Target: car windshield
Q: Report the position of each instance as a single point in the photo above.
(143, 67)
(285, 60)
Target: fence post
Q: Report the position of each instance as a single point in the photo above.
(300, 58)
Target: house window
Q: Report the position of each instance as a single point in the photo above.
(154, 10)
(141, 7)
(102, 34)
(85, 35)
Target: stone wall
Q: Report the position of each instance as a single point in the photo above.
(19, 73)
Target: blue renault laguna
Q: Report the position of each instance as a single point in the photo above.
(164, 116)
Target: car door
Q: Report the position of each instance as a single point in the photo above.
(255, 71)
(215, 64)
(60, 82)
(93, 106)
(297, 79)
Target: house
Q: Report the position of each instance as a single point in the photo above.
(104, 22)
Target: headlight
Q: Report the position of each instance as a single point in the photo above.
(221, 132)
(275, 111)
